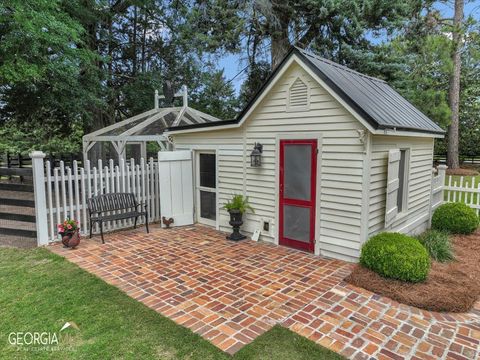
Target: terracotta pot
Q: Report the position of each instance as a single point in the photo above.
(70, 239)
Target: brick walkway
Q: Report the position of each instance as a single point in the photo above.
(230, 293)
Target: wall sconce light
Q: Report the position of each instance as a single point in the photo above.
(256, 155)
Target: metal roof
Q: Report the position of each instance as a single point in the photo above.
(382, 106)
(370, 97)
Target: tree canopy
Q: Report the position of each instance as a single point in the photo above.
(68, 67)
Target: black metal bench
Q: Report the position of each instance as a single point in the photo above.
(116, 206)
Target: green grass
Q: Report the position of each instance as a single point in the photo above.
(40, 291)
(467, 181)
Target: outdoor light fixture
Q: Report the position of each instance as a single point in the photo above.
(256, 155)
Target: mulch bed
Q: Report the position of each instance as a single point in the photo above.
(462, 172)
(453, 286)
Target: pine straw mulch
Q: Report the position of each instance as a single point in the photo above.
(462, 172)
(452, 287)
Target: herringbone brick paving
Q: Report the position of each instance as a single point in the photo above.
(230, 293)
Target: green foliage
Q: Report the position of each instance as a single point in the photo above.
(257, 74)
(424, 77)
(39, 39)
(437, 244)
(216, 96)
(396, 256)
(455, 218)
(238, 202)
(18, 139)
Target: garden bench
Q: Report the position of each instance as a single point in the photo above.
(116, 206)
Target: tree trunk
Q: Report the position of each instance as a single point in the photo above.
(144, 37)
(454, 90)
(134, 64)
(279, 35)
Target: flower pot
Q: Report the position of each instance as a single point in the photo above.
(236, 221)
(70, 239)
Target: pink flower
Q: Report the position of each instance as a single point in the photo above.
(69, 227)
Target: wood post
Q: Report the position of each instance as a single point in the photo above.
(40, 199)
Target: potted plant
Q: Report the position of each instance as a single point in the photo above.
(70, 233)
(236, 208)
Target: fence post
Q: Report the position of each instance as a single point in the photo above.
(40, 199)
(442, 170)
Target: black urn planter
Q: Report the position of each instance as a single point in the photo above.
(236, 221)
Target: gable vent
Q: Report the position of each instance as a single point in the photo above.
(298, 94)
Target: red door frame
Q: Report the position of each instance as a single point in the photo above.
(301, 203)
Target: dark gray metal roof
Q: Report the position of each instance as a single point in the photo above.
(373, 98)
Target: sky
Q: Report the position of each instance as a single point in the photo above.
(232, 63)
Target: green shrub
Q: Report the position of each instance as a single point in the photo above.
(455, 218)
(437, 244)
(396, 256)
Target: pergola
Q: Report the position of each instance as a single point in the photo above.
(145, 127)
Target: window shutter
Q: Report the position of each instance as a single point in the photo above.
(298, 94)
(393, 182)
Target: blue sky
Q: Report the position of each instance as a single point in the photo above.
(232, 63)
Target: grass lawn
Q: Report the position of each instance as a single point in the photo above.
(40, 291)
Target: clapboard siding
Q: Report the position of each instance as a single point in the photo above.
(352, 176)
(229, 147)
(341, 173)
(421, 154)
(342, 162)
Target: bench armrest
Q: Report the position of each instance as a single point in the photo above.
(142, 204)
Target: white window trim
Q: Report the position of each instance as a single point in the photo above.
(196, 180)
(406, 184)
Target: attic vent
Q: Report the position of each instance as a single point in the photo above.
(298, 95)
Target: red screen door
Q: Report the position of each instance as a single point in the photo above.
(298, 177)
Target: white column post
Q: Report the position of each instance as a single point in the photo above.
(155, 104)
(40, 199)
(442, 170)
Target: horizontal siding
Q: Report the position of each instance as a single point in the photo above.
(229, 148)
(342, 162)
(421, 155)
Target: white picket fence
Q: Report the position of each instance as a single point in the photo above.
(438, 181)
(67, 191)
(464, 190)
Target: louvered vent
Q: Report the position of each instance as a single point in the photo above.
(298, 95)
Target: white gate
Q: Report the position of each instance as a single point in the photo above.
(176, 186)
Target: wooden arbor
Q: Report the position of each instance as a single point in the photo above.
(145, 127)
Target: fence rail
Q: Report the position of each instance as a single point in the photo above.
(465, 190)
(68, 188)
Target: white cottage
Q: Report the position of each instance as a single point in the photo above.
(344, 157)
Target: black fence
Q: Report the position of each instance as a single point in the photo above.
(464, 159)
(19, 165)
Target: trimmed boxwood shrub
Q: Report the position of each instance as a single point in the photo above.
(455, 218)
(396, 256)
(437, 244)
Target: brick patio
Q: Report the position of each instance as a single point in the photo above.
(230, 293)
